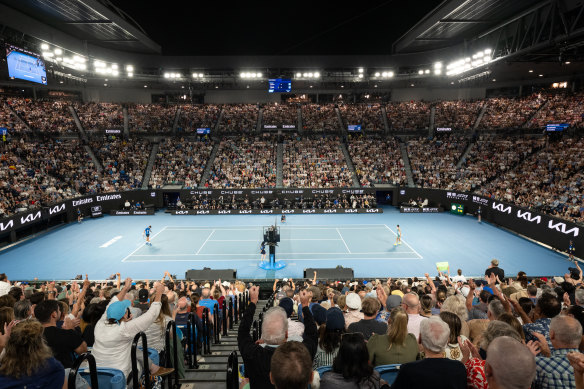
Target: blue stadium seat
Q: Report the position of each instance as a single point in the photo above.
(107, 378)
(388, 372)
(323, 369)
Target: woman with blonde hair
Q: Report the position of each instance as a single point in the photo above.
(397, 346)
(28, 361)
(457, 304)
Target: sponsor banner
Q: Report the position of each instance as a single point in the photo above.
(457, 196)
(274, 211)
(272, 193)
(96, 211)
(282, 126)
(443, 129)
(420, 210)
(148, 211)
(113, 131)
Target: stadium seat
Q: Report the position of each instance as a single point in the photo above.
(388, 372)
(107, 378)
(323, 369)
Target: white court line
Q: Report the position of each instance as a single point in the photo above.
(281, 228)
(205, 242)
(286, 226)
(143, 244)
(279, 259)
(111, 241)
(256, 240)
(339, 232)
(295, 253)
(406, 243)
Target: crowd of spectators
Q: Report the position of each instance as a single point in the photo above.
(320, 118)
(180, 161)
(198, 116)
(123, 162)
(151, 118)
(244, 163)
(377, 161)
(458, 115)
(52, 116)
(408, 115)
(433, 161)
(35, 174)
(561, 109)
(315, 163)
(98, 117)
(369, 116)
(491, 156)
(504, 113)
(238, 119)
(550, 180)
(280, 114)
(8, 119)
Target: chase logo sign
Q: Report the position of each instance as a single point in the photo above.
(502, 208)
(561, 227)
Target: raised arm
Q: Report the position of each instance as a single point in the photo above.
(470, 295)
(81, 297)
(314, 279)
(222, 289)
(127, 285)
(119, 281)
(275, 284)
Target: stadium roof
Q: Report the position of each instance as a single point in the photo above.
(98, 22)
(456, 21)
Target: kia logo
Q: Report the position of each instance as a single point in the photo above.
(561, 227)
(502, 208)
(527, 216)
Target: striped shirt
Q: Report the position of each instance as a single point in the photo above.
(322, 358)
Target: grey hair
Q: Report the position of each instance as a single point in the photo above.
(496, 329)
(567, 330)
(275, 326)
(579, 296)
(512, 364)
(496, 308)
(434, 334)
(22, 310)
(457, 305)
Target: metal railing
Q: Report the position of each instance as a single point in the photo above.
(232, 376)
(206, 332)
(92, 371)
(171, 328)
(135, 378)
(192, 340)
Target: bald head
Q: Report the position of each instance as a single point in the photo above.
(182, 304)
(205, 293)
(412, 302)
(565, 332)
(510, 364)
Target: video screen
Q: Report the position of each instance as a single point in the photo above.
(203, 131)
(25, 65)
(556, 127)
(280, 85)
(354, 127)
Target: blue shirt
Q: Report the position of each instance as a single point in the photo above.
(51, 376)
(554, 372)
(541, 326)
(208, 303)
(147, 231)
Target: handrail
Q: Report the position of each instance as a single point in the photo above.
(260, 322)
(171, 326)
(231, 307)
(206, 332)
(192, 340)
(216, 325)
(92, 371)
(241, 306)
(232, 376)
(135, 378)
(224, 319)
(235, 309)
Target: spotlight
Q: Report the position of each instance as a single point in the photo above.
(427, 71)
(200, 75)
(420, 72)
(130, 68)
(44, 46)
(377, 74)
(58, 51)
(317, 75)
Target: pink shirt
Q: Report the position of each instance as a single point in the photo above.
(414, 321)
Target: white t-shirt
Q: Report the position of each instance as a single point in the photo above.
(113, 342)
(457, 278)
(4, 288)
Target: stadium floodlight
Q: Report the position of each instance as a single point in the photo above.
(360, 70)
(130, 75)
(389, 74)
(438, 65)
(178, 75)
(420, 72)
(99, 64)
(317, 75)
(467, 59)
(114, 66)
(437, 72)
(81, 66)
(195, 75)
(361, 75)
(488, 51)
(44, 46)
(129, 68)
(298, 75)
(530, 71)
(58, 51)
(48, 54)
(377, 74)
(253, 75)
(166, 75)
(427, 71)
(259, 75)
(200, 75)
(115, 72)
(305, 75)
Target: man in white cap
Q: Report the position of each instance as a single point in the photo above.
(353, 314)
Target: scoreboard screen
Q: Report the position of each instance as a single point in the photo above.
(280, 85)
(25, 65)
(556, 127)
(457, 209)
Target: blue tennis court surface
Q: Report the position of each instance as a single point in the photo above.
(363, 242)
